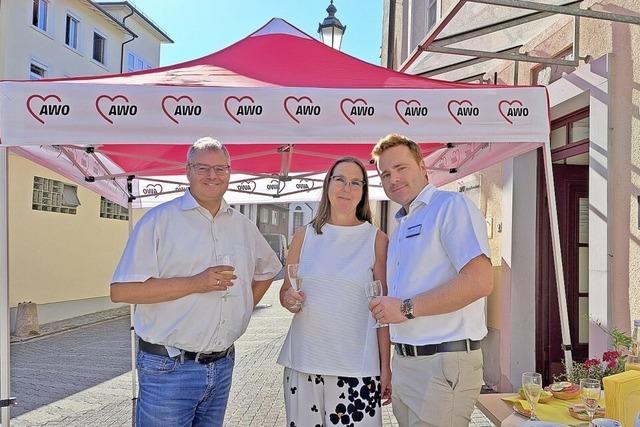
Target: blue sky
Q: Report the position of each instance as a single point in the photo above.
(199, 27)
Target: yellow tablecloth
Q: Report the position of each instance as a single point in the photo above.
(555, 410)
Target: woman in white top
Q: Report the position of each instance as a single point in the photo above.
(337, 369)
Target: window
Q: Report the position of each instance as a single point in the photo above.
(298, 219)
(71, 32)
(264, 215)
(546, 74)
(99, 44)
(274, 217)
(136, 63)
(39, 18)
(432, 13)
(54, 196)
(37, 72)
(109, 209)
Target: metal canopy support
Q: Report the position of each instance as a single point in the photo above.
(510, 56)
(5, 366)
(463, 64)
(563, 10)
(492, 28)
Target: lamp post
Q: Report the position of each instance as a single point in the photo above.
(331, 30)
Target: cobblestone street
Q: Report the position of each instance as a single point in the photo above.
(81, 377)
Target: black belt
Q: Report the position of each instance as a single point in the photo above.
(431, 349)
(203, 358)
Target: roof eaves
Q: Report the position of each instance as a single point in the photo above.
(139, 13)
(112, 18)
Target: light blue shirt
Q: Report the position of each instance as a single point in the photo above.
(439, 235)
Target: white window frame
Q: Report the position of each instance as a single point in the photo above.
(274, 217)
(436, 5)
(42, 25)
(264, 215)
(40, 65)
(104, 47)
(139, 63)
(75, 18)
(131, 67)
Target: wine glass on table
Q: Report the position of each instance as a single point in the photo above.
(590, 390)
(293, 270)
(532, 386)
(372, 290)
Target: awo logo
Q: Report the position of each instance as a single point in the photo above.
(462, 109)
(152, 189)
(248, 186)
(510, 110)
(41, 107)
(356, 108)
(240, 107)
(115, 106)
(305, 184)
(410, 108)
(277, 185)
(300, 107)
(176, 107)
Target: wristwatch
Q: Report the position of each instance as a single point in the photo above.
(406, 308)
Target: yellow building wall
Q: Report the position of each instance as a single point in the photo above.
(55, 257)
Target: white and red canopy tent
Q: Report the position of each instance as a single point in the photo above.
(284, 104)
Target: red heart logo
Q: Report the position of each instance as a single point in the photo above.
(229, 98)
(177, 99)
(289, 98)
(460, 103)
(44, 99)
(354, 102)
(112, 99)
(407, 103)
(510, 103)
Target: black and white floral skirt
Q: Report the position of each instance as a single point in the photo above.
(323, 400)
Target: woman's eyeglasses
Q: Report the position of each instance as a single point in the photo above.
(341, 182)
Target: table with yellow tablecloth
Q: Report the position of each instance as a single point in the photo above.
(555, 410)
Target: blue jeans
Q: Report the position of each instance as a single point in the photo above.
(175, 393)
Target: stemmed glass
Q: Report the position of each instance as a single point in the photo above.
(532, 386)
(226, 259)
(372, 290)
(590, 392)
(293, 270)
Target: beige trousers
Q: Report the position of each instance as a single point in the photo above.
(436, 391)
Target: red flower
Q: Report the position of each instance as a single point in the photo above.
(611, 356)
(612, 363)
(591, 362)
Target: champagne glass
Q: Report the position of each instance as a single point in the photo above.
(226, 259)
(532, 386)
(293, 270)
(372, 290)
(590, 392)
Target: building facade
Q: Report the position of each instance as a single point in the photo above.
(595, 142)
(64, 240)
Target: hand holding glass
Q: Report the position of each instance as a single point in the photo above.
(226, 259)
(532, 386)
(372, 290)
(590, 393)
(295, 280)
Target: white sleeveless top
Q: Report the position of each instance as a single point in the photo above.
(334, 332)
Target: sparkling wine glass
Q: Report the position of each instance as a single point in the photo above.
(372, 290)
(532, 386)
(590, 392)
(226, 259)
(293, 270)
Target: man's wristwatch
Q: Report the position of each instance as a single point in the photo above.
(406, 308)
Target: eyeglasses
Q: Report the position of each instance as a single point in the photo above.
(204, 170)
(341, 182)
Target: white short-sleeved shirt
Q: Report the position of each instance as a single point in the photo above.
(180, 238)
(439, 235)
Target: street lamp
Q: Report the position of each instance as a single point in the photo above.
(331, 30)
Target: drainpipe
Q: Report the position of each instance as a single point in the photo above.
(128, 41)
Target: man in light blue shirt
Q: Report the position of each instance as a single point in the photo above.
(438, 274)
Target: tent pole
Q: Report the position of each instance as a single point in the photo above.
(557, 257)
(5, 329)
(134, 394)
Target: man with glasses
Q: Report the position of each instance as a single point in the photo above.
(438, 275)
(191, 307)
